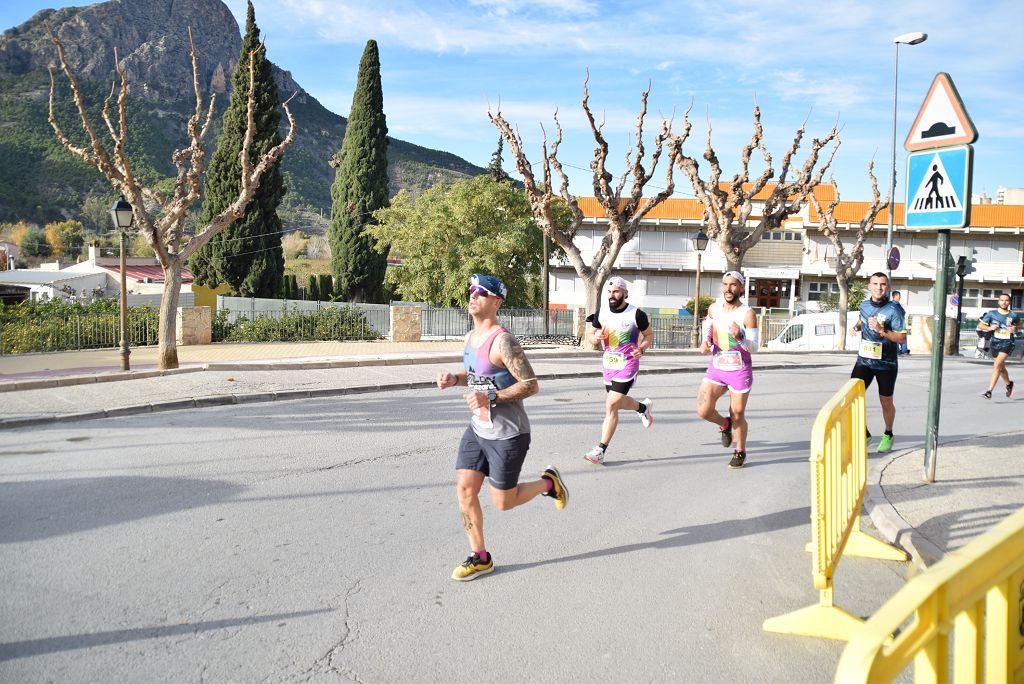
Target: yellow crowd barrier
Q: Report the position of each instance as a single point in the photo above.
(839, 456)
(973, 599)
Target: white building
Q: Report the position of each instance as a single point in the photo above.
(793, 266)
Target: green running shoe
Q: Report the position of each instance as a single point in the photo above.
(885, 445)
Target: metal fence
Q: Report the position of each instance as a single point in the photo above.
(75, 332)
(278, 320)
(672, 332)
(454, 323)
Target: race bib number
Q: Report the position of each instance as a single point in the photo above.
(871, 350)
(614, 360)
(1002, 334)
(728, 361)
(482, 415)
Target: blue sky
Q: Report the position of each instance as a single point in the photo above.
(444, 63)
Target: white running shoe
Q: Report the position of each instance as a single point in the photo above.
(647, 417)
(595, 455)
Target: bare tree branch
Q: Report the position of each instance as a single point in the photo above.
(166, 232)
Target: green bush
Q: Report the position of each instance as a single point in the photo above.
(61, 326)
(336, 323)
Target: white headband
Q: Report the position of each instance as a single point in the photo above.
(616, 281)
(734, 274)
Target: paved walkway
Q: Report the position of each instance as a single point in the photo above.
(980, 480)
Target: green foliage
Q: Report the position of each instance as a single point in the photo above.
(360, 188)
(334, 323)
(58, 325)
(705, 303)
(66, 238)
(34, 243)
(248, 255)
(494, 168)
(325, 286)
(858, 292)
(476, 225)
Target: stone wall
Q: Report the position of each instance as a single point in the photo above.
(195, 325)
(405, 323)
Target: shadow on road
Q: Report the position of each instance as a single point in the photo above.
(36, 647)
(688, 536)
(40, 509)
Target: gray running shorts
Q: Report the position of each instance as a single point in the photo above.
(500, 460)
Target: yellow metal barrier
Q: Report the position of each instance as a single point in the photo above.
(839, 457)
(975, 594)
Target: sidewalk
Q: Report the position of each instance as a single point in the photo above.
(977, 484)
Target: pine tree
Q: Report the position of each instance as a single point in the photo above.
(360, 187)
(494, 168)
(247, 256)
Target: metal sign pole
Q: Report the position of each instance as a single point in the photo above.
(931, 440)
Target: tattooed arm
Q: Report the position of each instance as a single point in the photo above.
(512, 357)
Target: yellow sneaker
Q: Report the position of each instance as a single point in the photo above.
(473, 567)
(558, 492)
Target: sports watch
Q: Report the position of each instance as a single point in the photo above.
(492, 397)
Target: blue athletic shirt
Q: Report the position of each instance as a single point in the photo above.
(1001, 335)
(876, 352)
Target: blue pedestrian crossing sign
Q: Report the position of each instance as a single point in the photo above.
(939, 188)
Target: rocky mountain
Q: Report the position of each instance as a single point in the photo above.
(38, 181)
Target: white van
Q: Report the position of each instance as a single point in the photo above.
(814, 332)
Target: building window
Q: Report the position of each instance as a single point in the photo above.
(815, 290)
(782, 235)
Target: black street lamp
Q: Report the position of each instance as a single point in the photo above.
(122, 216)
(700, 241)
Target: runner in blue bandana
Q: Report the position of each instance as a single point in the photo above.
(1003, 324)
(882, 326)
(494, 446)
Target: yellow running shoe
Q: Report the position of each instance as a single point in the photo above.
(558, 492)
(473, 567)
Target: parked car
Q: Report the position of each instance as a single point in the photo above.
(814, 332)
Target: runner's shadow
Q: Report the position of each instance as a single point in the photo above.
(688, 536)
(71, 642)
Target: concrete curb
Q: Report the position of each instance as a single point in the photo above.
(894, 528)
(286, 395)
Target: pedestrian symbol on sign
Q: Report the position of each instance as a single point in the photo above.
(934, 193)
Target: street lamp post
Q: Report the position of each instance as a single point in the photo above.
(122, 215)
(700, 241)
(905, 39)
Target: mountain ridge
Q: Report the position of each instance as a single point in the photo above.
(151, 37)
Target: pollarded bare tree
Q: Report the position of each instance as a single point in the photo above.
(163, 226)
(624, 214)
(728, 206)
(848, 262)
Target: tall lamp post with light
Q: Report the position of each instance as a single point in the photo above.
(905, 39)
(122, 215)
(700, 241)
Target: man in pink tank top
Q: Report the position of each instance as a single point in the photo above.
(730, 334)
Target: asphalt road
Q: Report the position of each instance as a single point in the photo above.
(313, 541)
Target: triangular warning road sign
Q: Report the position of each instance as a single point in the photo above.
(935, 192)
(943, 120)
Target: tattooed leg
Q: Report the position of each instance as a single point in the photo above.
(707, 399)
(468, 483)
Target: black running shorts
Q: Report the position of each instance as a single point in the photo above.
(500, 460)
(886, 378)
(619, 386)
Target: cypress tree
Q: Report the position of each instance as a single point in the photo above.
(494, 168)
(312, 291)
(248, 255)
(360, 187)
(326, 286)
